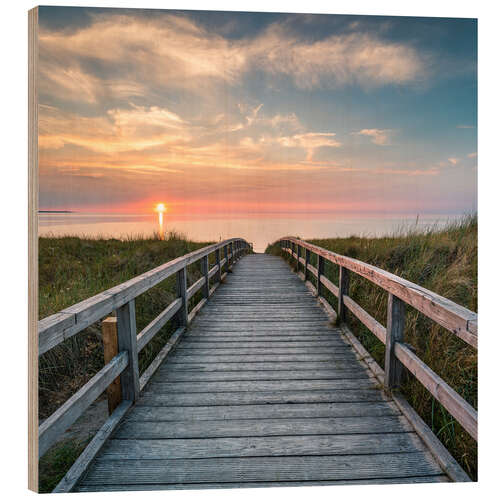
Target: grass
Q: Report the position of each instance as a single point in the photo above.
(444, 261)
(72, 269)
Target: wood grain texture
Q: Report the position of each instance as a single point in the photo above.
(66, 323)
(110, 348)
(261, 389)
(33, 291)
(76, 471)
(261, 469)
(459, 320)
(73, 408)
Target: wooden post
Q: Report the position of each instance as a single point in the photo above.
(297, 264)
(217, 261)
(231, 258)
(127, 341)
(226, 256)
(182, 315)
(395, 333)
(306, 265)
(321, 270)
(110, 346)
(343, 290)
(204, 270)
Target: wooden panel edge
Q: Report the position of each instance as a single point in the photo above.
(33, 249)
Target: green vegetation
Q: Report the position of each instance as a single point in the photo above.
(444, 261)
(57, 461)
(72, 269)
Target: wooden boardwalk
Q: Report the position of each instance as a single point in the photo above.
(261, 391)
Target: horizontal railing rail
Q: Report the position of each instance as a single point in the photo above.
(455, 318)
(123, 365)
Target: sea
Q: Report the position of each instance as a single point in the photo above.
(260, 230)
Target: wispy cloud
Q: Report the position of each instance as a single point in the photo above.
(472, 155)
(465, 126)
(381, 137)
(454, 161)
(181, 54)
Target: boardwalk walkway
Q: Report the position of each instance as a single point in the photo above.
(261, 391)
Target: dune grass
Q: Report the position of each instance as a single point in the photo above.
(72, 269)
(444, 261)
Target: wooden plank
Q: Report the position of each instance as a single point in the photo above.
(255, 351)
(262, 385)
(451, 316)
(437, 478)
(294, 340)
(436, 448)
(127, 341)
(344, 363)
(156, 325)
(261, 427)
(270, 446)
(369, 321)
(241, 412)
(110, 348)
(329, 285)
(261, 469)
(190, 345)
(185, 376)
(465, 414)
(196, 309)
(69, 412)
(76, 471)
(275, 358)
(197, 285)
(155, 364)
(251, 398)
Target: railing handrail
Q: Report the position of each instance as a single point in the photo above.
(446, 313)
(454, 317)
(69, 321)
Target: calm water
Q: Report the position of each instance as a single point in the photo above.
(259, 230)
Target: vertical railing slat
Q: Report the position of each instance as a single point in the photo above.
(395, 333)
(182, 315)
(127, 341)
(205, 269)
(321, 270)
(343, 290)
(308, 258)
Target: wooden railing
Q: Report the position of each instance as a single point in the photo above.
(446, 313)
(125, 364)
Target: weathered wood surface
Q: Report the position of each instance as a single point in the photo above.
(66, 323)
(261, 390)
(458, 319)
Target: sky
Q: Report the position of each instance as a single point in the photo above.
(255, 113)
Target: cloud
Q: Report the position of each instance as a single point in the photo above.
(454, 161)
(378, 136)
(465, 126)
(126, 55)
(138, 128)
(472, 155)
(357, 58)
